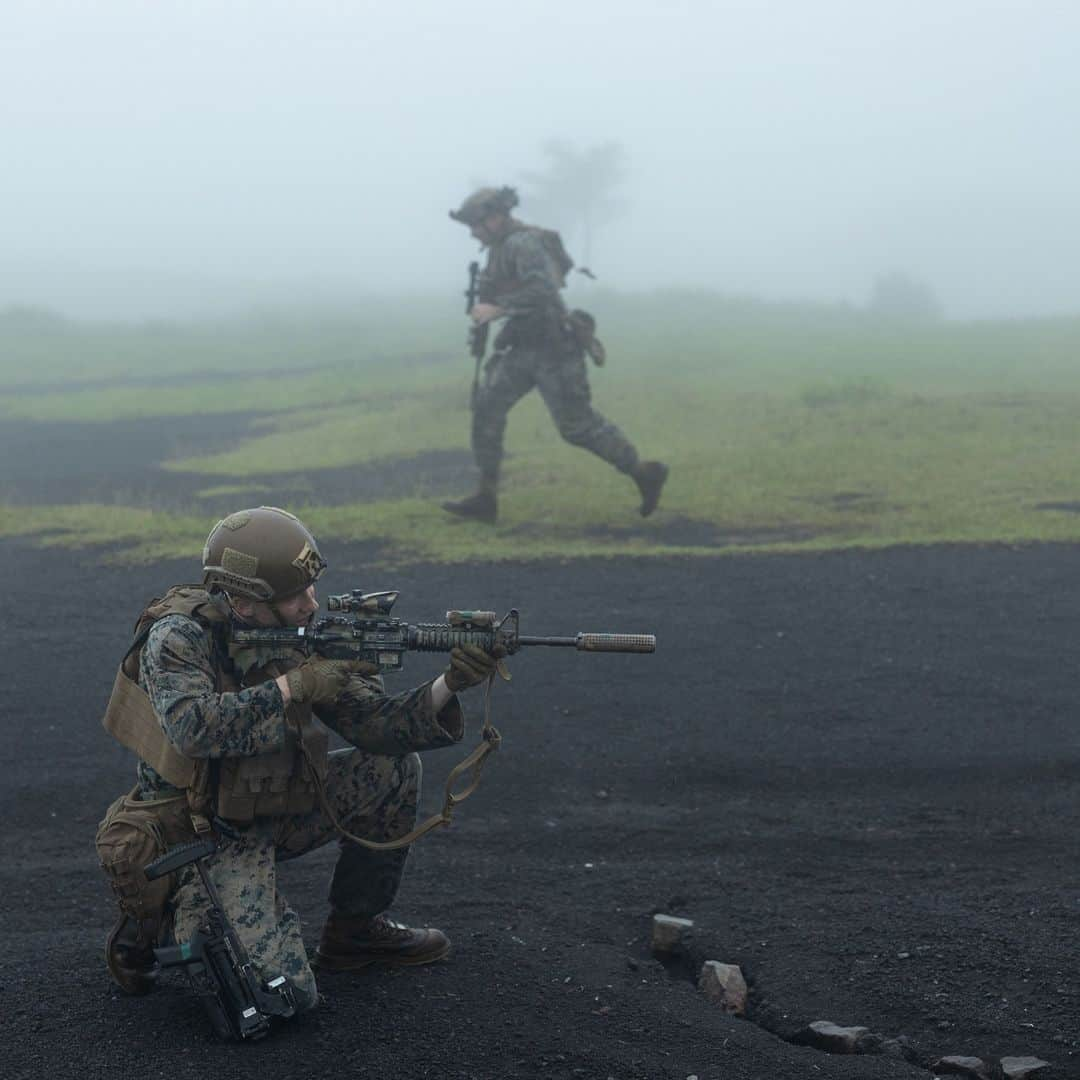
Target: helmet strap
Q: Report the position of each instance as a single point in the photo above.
(277, 614)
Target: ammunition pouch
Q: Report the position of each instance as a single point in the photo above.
(582, 327)
(132, 834)
(272, 785)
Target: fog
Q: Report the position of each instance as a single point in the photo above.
(175, 158)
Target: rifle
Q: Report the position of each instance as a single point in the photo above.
(375, 636)
(216, 962)
(478, 333)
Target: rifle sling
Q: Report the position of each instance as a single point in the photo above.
(474, 762)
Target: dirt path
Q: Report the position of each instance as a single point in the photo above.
(859, 775)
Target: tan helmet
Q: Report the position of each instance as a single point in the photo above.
(262, 554)
(485, 201)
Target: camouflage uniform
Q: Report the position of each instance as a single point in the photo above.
(535, 349)
(373, 788)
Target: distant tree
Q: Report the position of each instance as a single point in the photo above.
(898, 295)
(576, 190)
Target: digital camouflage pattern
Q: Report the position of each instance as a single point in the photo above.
(373, 787)
(178, 671)
(521, 276)
(535, 348)
(373, 796)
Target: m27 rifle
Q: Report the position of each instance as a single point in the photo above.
(478, 332)
(239, 1003)
(373, 635)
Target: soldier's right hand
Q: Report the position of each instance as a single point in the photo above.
(319, 682)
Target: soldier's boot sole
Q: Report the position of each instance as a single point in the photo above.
(353, 944)
(474, 508)
(323, 962)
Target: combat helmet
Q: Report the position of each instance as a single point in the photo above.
(485, 201)
(262, 554)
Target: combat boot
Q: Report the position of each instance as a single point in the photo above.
(483, 506)
(650, 477)
(131, 965)
(349, 944)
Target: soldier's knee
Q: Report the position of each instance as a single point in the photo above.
(576, 434)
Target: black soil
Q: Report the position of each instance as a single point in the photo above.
(858, 774)
(122, 463)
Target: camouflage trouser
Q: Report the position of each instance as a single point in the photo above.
(559, 374)
(372, 796)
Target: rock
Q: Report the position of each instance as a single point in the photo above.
(871, 1043)
(830, 1037)
(902, 1047)
(1016, 1068)
(725, 985)
(670, 933)
(958, 1065)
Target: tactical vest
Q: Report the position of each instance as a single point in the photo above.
(237, 789)
(495, 282)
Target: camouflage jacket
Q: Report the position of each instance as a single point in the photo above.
(522, 277)
(178, 670)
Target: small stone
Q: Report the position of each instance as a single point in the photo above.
(871, 1043)
(901, 1047)
(724, 984)
(670, 933)
(1016, 1068)
(832, 1038)
(959, 1065)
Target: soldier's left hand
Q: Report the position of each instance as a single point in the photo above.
(471, 665)
(484, 313)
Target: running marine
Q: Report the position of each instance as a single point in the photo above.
(539, 345)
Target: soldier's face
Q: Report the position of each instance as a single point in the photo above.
(489, 229)
(297, 610)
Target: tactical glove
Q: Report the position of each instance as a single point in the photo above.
(319, 682)
(471, 665)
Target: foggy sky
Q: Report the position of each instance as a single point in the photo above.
(160, 155)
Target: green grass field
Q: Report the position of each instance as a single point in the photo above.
(787, 427)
